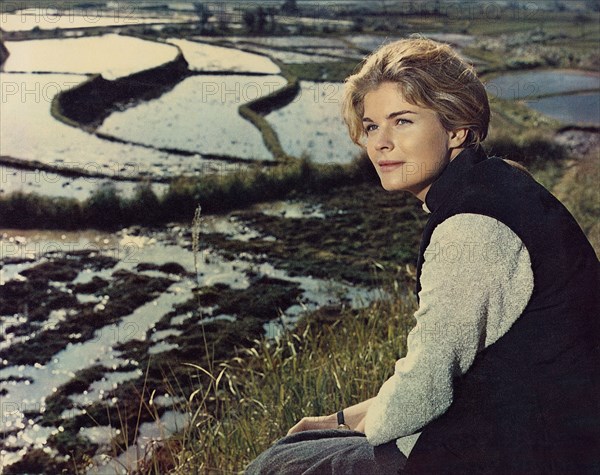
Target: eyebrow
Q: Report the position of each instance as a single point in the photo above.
(391, 115)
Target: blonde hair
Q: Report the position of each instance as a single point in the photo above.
(429, 74)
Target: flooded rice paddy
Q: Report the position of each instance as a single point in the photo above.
(320, 133)
(572, 109)
(199, 115)
(207, 57)
(111, 55)
(294, 49)
(288, 56)
(529, 85)
(48, 183)
(29, 131)
(289, 41)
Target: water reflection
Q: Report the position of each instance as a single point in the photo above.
(530, 84)
(199, 115)
(111, 55)
(570, 108)
(321, 133)
(578, 108)
(52, 184)
(205, 57)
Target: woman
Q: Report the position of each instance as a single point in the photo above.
(502, 369)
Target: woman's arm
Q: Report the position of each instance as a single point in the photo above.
(354, 417)
(475, 282)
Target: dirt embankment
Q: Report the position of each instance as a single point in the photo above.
(89, 103)
(256, 110)
(3, 53)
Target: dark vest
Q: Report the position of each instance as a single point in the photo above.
(530, 403)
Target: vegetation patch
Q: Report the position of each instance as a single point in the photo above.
(106, 209)
(345, 244)
(3, 52)
(331, 71)
(90, 102)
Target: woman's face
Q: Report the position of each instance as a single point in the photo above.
(406, 143)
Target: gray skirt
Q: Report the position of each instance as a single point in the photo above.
(328, 452)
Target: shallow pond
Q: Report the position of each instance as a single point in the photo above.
(571, 109)
(291, 56)
(111, 55)
(205, 57)
(581, 108)
(199, 115)
(531, 84)
(312, 124)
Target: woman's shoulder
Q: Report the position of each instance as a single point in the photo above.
(473, 234)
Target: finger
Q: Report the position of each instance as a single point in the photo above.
(295, 428)
(301, 425)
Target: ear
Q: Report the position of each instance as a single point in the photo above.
(457, 137)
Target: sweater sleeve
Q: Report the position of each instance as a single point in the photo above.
(476, 280)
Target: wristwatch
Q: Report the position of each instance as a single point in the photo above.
(341, 423)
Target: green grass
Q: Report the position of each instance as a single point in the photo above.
(333, 359)
(578, 190)
(333, 71)
(107, 209)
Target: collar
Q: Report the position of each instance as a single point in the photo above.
(451, 177)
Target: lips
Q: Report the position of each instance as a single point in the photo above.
(389, 165)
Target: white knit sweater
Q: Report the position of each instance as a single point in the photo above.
(476, 280)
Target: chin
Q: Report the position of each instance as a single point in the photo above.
(392, 185)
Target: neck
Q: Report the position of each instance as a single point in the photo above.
(421, 194)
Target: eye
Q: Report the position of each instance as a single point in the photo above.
(370, 128)
(401, 121)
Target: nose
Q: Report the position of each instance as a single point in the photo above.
(383, 140)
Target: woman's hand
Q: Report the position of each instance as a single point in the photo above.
(353, 415)
(315, 423)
